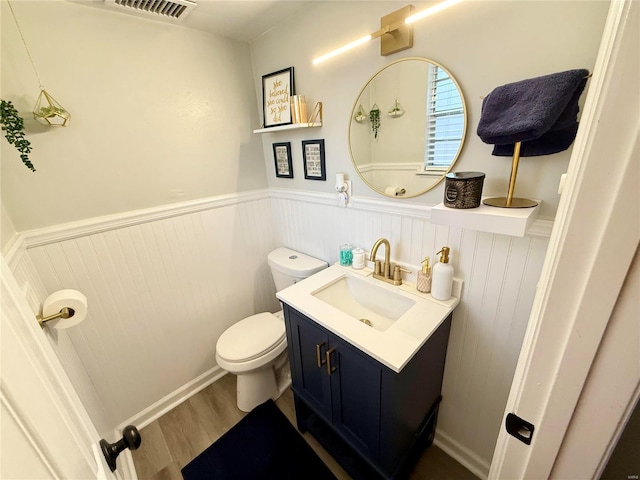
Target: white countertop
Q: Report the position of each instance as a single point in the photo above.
(393, 347)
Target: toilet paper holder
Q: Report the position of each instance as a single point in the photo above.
(65, 312)
(68, 305)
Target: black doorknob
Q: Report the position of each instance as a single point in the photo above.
(131, 439)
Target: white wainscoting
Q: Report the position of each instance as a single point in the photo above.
(160, 293)
(163, 284)
(500, 274)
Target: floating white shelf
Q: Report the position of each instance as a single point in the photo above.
(292, 126)
(505, 221)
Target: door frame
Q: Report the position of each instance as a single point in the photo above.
(52, 383)
(592, 244)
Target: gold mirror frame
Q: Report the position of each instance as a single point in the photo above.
(356, 119)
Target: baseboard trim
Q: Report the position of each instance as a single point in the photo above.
(159, 408)
(462, 455)
(172, 400)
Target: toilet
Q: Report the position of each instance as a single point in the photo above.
(255, 348)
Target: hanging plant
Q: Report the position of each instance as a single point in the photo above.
(13, 124)
(360, 116)
(374, 118)
(396, 111)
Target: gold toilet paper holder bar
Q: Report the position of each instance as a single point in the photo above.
(65, 312)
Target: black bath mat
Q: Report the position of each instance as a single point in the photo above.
(263, 445)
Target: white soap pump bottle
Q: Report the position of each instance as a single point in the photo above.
(442, 277)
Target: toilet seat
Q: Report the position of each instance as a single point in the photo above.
(252, 338)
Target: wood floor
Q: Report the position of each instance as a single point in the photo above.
(177, 437)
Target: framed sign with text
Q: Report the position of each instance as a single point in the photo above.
(277, 87)
(282, 159)
(313, 159)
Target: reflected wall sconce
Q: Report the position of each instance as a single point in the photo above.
(395, 33)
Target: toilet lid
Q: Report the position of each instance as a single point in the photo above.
(250, 338)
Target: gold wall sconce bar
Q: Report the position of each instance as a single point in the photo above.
(395, 33)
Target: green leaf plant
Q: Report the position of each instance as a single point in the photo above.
(13, 126)
(374, 117)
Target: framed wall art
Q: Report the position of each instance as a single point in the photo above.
(313, 159)
(277, 87)
(282, 159)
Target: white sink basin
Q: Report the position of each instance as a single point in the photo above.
(370, 304)
(389, 323)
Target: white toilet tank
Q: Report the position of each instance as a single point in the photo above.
(289, 267)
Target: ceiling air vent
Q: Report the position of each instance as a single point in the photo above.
(160, 9)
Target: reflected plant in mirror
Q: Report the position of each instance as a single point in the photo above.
(374, 117)
(412, 151)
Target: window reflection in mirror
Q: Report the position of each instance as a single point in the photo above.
(445, 120)
(421, 129)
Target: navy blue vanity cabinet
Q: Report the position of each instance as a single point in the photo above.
(337, 381)
(375, 422)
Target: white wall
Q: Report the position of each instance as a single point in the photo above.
(159, 114)
(483, 44)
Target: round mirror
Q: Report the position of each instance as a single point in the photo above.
(407, 127)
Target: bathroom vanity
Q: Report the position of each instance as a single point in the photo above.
(371, 402)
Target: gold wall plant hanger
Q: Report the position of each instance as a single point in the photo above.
(47, 110)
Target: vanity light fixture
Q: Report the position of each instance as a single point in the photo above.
(395, 33)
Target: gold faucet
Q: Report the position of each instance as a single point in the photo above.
(383, 271)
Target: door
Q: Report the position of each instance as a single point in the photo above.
(309, 344)
(356, 389)
(592, 243)
(46, 433)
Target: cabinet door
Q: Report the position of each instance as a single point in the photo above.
(310, 379)
(355, 388)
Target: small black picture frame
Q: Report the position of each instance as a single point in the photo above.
(313, 159)
(282, 159)
(277, 87)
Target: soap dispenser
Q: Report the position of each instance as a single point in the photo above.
(442, 279)
(424, 277)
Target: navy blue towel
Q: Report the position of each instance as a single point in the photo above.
(540, 112)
